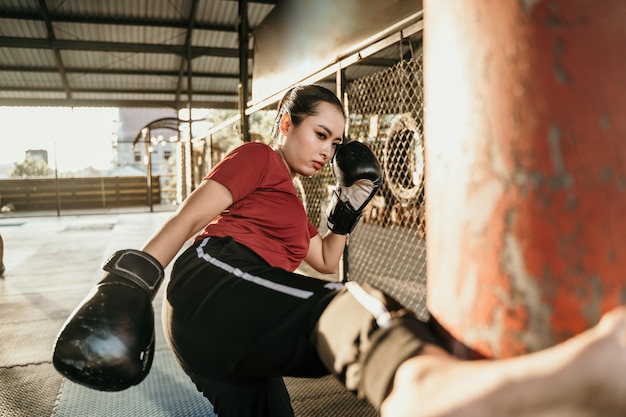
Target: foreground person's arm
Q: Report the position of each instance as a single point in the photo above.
(582, 377)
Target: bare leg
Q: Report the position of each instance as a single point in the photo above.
(583, 377)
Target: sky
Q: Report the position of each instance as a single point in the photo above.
(75, 138)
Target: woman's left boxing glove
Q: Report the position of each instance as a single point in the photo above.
(358, 176)
(107, 342)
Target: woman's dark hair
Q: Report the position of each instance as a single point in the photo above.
(302, 101)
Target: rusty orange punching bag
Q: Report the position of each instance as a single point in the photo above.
(525, 130)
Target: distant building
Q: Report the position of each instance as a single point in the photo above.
(37, 155)
(131, 159)
(130, 123)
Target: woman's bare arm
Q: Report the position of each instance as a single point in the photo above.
(199, 209)
(324, 254)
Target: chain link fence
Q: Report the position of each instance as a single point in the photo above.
(387, 249)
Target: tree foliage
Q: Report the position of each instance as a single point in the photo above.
(31, 167)
(260, 126)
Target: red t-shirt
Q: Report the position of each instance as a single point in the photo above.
(266, 215)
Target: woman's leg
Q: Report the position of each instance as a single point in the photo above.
(364, 335)
(237, 325)
(378, 349)
(268, 398)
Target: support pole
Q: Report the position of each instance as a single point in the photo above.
(526, 169)
(149, 169)
(344, 266)
(244, 124)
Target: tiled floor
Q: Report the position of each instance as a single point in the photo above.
(52, 262)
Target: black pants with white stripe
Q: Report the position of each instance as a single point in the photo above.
(238, 325)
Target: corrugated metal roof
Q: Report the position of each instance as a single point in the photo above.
(123, 53)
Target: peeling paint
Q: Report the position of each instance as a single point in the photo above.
(605, 122)
(537, 333)
(558, 47)
(561, 74)
(592, 309)
(612, 256)
(527, 5)
(553, 18)
(483, 204)
(562, 179)
(497, 162)
(606, 174)
(491, 334)
(527, 180)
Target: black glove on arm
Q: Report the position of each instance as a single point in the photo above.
(107, 343)
(358, 176)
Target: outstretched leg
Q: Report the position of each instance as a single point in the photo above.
(364, 335)
(383, 352)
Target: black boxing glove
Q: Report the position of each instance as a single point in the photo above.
(358, 176)
(107, 342)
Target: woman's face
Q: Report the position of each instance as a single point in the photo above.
(306, 148)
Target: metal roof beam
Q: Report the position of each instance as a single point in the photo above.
(114, 71)
(118, 20)
(196, 51)
(119, 91)
(57, 55)
(244, 30)
(185, 61)
(44, 102)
